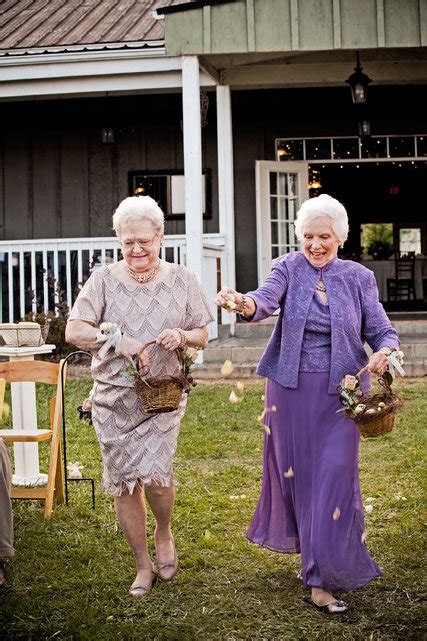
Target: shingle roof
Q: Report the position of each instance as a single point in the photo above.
(34, 26)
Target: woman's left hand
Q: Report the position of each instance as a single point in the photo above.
(378, 363)
(169, 338)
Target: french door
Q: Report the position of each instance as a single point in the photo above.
(281, 187)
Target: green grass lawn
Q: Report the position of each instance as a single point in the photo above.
(71, 574)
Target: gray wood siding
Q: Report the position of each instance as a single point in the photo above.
(58, 179)
(296, 25)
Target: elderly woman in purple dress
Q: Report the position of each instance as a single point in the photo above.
(310, 499)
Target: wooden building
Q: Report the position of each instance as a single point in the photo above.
(223, 110)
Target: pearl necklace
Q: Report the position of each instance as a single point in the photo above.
(321, 287)
(143, 278)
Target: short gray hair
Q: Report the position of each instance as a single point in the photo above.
(323, 205)
(137, 209)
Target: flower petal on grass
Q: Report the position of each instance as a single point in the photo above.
(240, 387)
(234, 399)
(227, 368)
(289, 473)
(364, 536)
(337, 513)
(368, 508)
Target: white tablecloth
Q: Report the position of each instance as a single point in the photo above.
(384, 269)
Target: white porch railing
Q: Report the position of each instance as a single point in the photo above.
(39, 275)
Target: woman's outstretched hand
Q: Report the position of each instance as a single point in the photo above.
(229, 299)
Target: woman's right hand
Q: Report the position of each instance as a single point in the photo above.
(130, 347)
(229, 299)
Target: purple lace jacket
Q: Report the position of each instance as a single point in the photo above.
(356, 316)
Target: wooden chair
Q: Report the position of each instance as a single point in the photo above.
(402, 286)
(38, 372)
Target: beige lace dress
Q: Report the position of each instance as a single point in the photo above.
(138, 448)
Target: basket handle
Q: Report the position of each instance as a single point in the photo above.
(362, 371)
(155, 343)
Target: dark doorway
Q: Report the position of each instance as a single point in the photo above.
(389, 192)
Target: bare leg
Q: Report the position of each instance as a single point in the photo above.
(161, 500)
(132, 514)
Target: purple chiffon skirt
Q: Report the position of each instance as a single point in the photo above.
(316, 509)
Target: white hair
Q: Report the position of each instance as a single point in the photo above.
(323, 205)
(137, 209)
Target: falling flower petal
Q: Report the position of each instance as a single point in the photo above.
(337, 513)
(368, 508)
(364, 536)
(267, 430)
(261, 416)
(240, 387)
(227, 368)
(289, 473)
(233, 398)
(273, 408)
(263, 397)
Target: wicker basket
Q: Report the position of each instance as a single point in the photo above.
(161, 394)
(382, 421)
(25, 334)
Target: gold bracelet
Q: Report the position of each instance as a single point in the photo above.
(183, 336)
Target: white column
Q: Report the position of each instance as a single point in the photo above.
(226, 191)
(192, 164)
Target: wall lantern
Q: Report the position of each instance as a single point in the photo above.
(364, 128)
(107, 135)
(358, 82)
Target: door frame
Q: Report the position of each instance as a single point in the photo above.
(263, 168)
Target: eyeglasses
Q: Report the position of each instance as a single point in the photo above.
(143, 243)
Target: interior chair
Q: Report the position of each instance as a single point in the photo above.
(38, 372)
(402, 286)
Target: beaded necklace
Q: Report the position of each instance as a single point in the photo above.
(143, 278)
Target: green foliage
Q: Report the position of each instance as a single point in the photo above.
(71, 574)
(378, 240)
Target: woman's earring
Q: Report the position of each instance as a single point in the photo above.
(342, 246)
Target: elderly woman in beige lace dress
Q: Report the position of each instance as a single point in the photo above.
(148, 299)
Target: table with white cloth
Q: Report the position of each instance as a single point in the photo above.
(384, 269)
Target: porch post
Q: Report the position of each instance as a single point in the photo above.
(192, 164)
(226, 191)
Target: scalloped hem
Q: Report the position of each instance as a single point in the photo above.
(137, 484)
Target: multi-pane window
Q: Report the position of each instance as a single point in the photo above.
(283, 208)
(351, 148)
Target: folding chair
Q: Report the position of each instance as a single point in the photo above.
(38, 372)
(402, 286)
